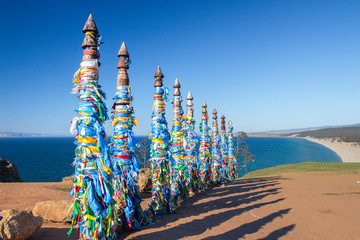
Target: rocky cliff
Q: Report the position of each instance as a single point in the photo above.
(8, 172)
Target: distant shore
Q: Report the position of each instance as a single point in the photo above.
(348, 152)
(264, 135)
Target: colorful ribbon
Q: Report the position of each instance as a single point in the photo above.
(128, 212)
(215, 154)
(224, 170)
(92, 191)
(191, 157)
(178, 172)
(231, 153)
(159, 153)
(204, 151)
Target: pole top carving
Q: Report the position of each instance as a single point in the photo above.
(158, 77)
(177, 87)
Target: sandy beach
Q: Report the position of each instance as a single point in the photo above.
(348, 152)
(287, 206)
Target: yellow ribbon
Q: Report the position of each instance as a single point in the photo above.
(87, 140)
(158, 140)
(106, 169)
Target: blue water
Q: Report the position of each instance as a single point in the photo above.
(40, 159)
(274, 151)
(50, 159)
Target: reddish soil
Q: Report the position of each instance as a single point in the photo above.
(290, 206)
(26, 195)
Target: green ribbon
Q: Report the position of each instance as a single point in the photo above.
(182, 167)
(76, 212)
(101, 115)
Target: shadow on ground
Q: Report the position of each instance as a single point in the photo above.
(234, 200)
(50, 233)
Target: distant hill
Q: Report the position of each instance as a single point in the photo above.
(297, 130)
(264, 134)
(346, 134)
(12, 134)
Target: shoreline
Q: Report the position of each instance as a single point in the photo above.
(348, 152)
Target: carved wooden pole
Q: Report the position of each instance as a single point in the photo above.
(128, 212)
(215, 151)
(224, 151)
(204, 149)
(159, 149)
(191, 157)
(92, 208)
(178, 171)
(232, 159)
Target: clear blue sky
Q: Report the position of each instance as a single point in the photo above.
(264, 64)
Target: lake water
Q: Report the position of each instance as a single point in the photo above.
(50, 159)
(274, 151)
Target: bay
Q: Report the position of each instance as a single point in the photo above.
(274, 151)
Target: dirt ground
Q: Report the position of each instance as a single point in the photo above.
(290, 206)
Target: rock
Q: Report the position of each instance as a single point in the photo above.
(8, 172)
(68, 179)
(145, 183)
(53, 211)
(18, 225)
